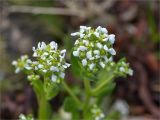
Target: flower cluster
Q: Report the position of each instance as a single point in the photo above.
(49, 62)
(94, 47)
(123, 68)
(22, 63)
(97, 113)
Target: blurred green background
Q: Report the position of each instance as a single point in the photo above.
(23, 23)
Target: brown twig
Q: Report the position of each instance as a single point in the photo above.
(43, 10)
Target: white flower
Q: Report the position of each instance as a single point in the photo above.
(53, 45)
(102, 64)
(112, 51)
(122, 69)
(83, 27)
(82, 35)
(97, 56)
(111, 38)
(84, 62)
(28, 67)
(63, 52)
(40, 66)
(54, 78)
(104, 30)
(97, 52)
(66, 65)
(96, 34)
(91, 66)
(75, 34)
(130, 72)
(62, 75)
(105, 47)
(44, 70)
(89, 54)
(76, 42)
(17, 70)
(35, 54)
(14, 63)
(45, 54)
(82, 48)
(53, 68)
(105, 39)
(86, 42)
(99, 45)
(76, 53)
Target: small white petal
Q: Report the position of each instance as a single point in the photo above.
(82, 30)
(84, 62)
(83, 27)
(53, 68)
(104, 30)
(14, 62)
(110, 59)
(98, 28)
(111, 38)
(39, 45)
(122, 69)
(82, 35)
(54, 78)
(35, 54)
(33, 48)
(45, 53)
(53, 45)
(44, 70)
(43, 45)
(112, 51)
(102, 64)
(92, 58)
(89, 54)
(105, 58)
(82, 48)
(91, 66)
(17, 70)
(29, 61)
(63, 52)
(99, 45)
(96, 34)
(28, 67)
(76, 53)
(75, 34)
(62, 75)
(85, 42)
(76, 42)
(97, 52)
(130, 72)
(97, 56)
(40, 66)
(64, 66)
(67, 64)
(105, 47)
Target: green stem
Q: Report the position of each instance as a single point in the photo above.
(71, 93)
(100, 86)
(44, 109)
(87, 100)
